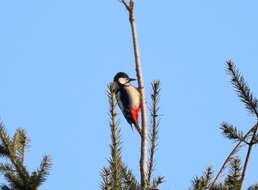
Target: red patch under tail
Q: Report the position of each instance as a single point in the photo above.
(134, 114)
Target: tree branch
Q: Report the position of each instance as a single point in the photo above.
(126, 5)
(143, 159)
(231, 154)
(250, 146)
(242, 88)
(154, 128)
(115, 160)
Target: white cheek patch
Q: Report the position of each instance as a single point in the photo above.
(123, 80)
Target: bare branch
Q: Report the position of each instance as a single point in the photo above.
(234, 150)
(144, 139)
(126, 5)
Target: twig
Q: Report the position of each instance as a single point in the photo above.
(126, 5)
(242, 88)
(154, 130)
(231, 154)
(143, 159)
(251, 103)
(250, 146)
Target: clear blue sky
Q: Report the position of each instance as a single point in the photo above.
(57, 56)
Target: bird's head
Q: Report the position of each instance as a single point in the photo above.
(122, 79)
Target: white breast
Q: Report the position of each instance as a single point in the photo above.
(134, 96)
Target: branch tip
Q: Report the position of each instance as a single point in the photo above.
(126, 5)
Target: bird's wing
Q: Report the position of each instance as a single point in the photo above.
(123, 103)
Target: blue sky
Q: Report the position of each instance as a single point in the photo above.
(56, 58)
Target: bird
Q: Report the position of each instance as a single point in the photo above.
(128, 98)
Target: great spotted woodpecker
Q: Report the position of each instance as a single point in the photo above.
(128, 99)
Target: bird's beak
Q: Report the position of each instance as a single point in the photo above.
(131, 79)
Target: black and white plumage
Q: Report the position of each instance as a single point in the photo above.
(128, 98)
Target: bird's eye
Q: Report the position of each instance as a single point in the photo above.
(123, 80)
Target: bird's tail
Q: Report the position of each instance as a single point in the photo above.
(138, 128)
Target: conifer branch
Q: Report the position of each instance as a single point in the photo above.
(13, 180)
(143, 160)
(250, 102)
(15, 171)
(130, 181)
(20, 141)
(115, 160)
(202, 183)
(232, 181)
(234, 150)
(39, 176)
(154, 127)
(3, 151)
(6, 140)
(9, 146)
(105, 174)
(242, 89)
(253, 187)
(232, 132)
(250, 146)
(156, 183)
(5, 187)
(219, 186)
(116, 175)
(9, 173)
